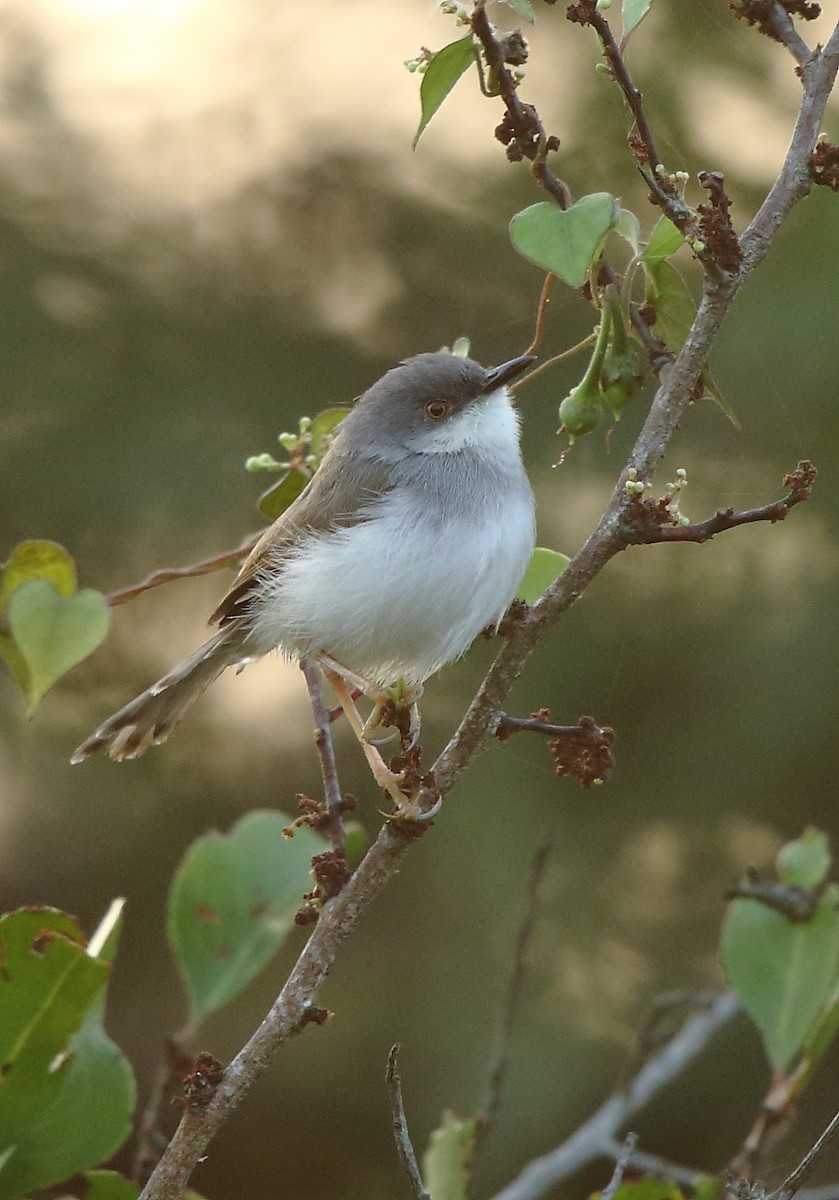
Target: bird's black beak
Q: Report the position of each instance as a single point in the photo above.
(496, 377)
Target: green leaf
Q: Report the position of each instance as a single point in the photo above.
(634, 12)
(441, 74)
(356, 840)
(524, 8)
(783, 971)
(283, 493)
(445, 1164)
(54, 633)
(673, 303)
(629, 229)
(232, 905)
(569, 241)
(107, 1185)
(805, 862)
(648, 1189)
(710, 389)
(31, 560)
(820, 1038)
(324, 427)
(90, 1117)
(544, 567)
(47, 986)
(665, 240)
(38, 560)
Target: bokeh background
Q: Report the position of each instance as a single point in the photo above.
(211, 222)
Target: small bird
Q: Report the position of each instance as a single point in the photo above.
(411, 537)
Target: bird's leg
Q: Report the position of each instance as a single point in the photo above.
(386, 779)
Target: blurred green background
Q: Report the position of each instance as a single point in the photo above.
(211, 222)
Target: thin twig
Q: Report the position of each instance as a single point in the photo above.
(400, 1126)
(544, 300)
(155, 1123)
(526, 130)
(643, 516)
(498, 1069)
(622, 1160)
(653, 1164)
(381, 863)
(663, 190)
(802, 1172)
(786, 33)
(168, 574)
(551, 362)
(322, 717)
(594, 1137)
(509, 725)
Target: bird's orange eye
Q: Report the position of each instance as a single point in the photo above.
(437, 409)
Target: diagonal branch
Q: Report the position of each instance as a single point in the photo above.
(595, 1138)
(341, 914)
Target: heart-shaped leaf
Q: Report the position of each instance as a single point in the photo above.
(38, 560)
(441, 74)
(32, 560)
(232, 904)
(784, 971)
(544, 567)
(567, 241)
(54, 633)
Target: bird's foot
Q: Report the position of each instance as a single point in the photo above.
(396, 709)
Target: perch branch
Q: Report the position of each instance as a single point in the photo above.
(322, 717)
(341, 914)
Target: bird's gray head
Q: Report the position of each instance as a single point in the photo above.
(435, 402)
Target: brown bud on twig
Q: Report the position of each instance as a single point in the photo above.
(824, 165)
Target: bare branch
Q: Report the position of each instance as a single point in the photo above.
(595, 1136)
(400, 1126)
(650, 521)
(522, 130)
(802, 1172)
(322, 717)
(818, 75)
(622, 1160)
(168, 574)
(652, 1164)
(773, 19)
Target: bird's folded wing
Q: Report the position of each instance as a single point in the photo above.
(337, 498)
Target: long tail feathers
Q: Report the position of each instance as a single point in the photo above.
(150, 717)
